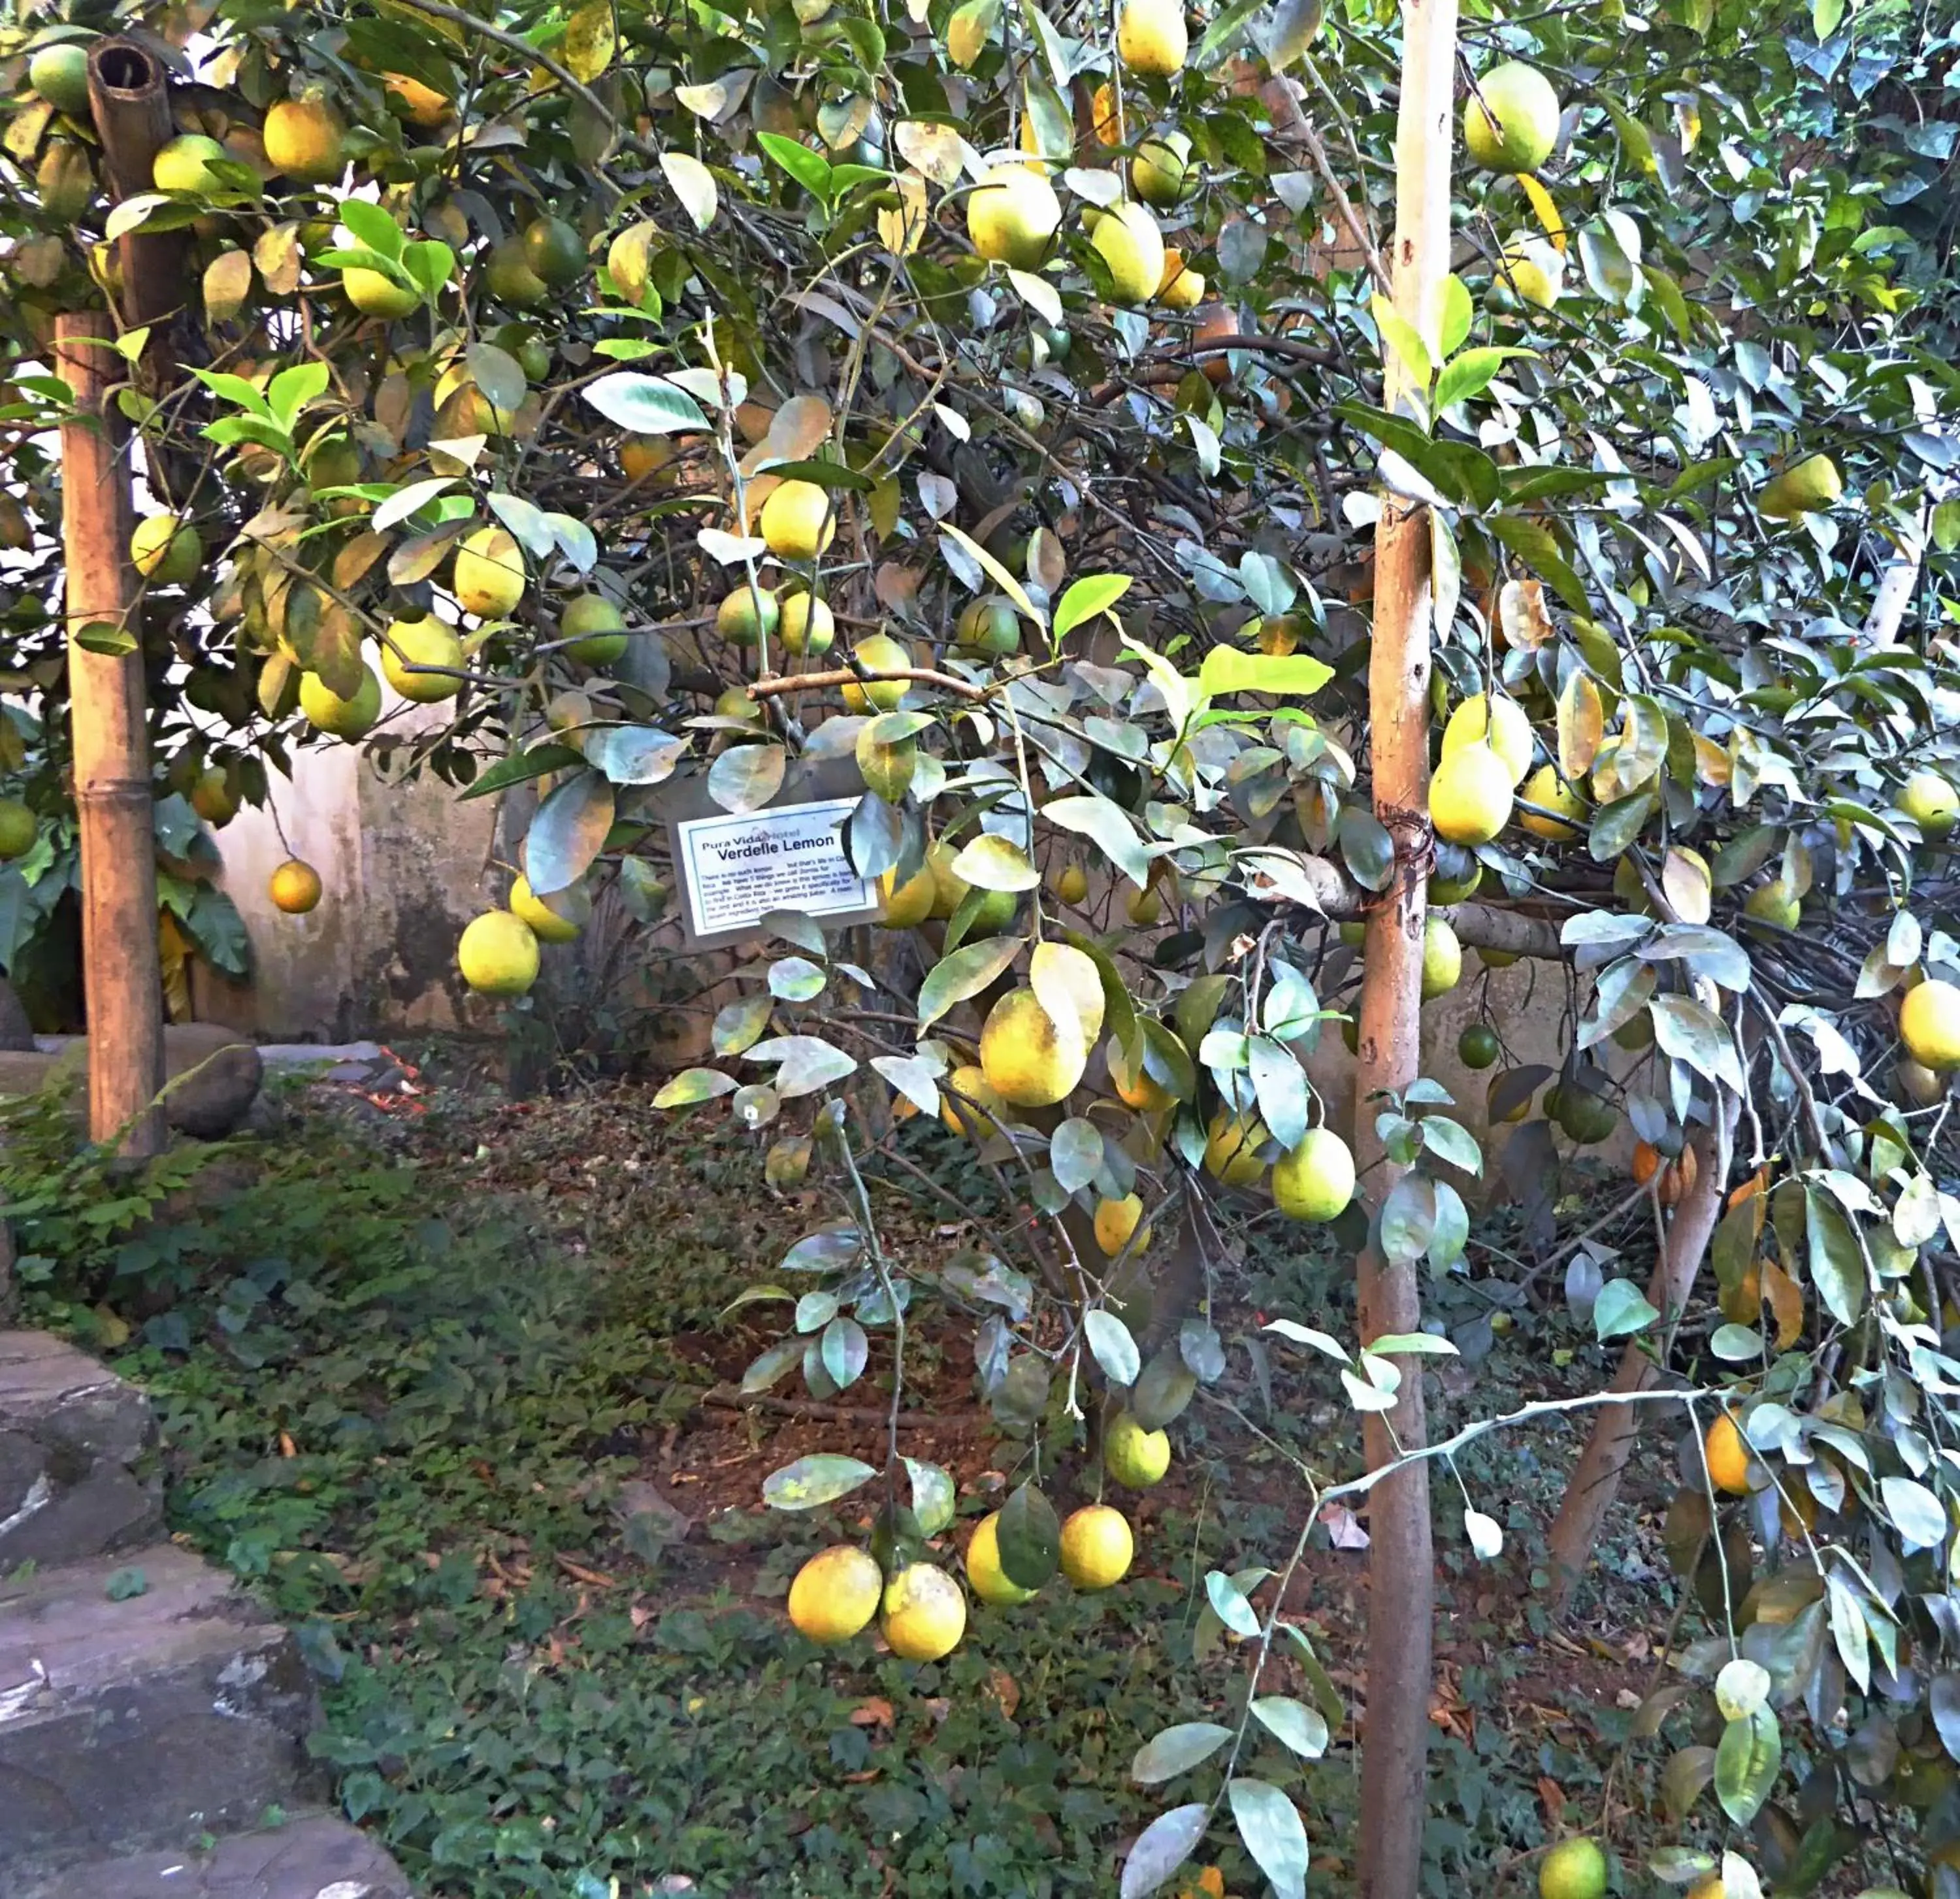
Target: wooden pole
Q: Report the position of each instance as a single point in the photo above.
(129, 95)
(121, 975)
(1401, 1574)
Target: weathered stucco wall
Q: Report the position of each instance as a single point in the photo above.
(403, 868)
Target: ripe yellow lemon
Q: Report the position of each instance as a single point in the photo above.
(487, 578)
(909, 904)
(1032, 1060)
(556, 918)
(375, 295)
(1012, 215)
(880, 654)
(808, 625)
(1132, 246)
(498, 955)
(969, 1103)
(1144, 907)
(348, 719)
(1116, 1220)
(1728, 1454)
(1918, 1082)
(422, 105)
(167, 548)
(643, 456)
(185, 164)
(1511, 122)
(1161, 170)
(1547, 790)
(1135, 1087)
(799, 521)
(1096, 1547)
(307, 139)
(1072, 883)
(411, 644)
(1442, 958)
(1151, 37)
(1774, 905)
(1135, 1458)
(294, 888)
(1533, 271)
(1519, 1108)
(925, 1614)
(1107, 117)
(1232, 1144)
(1317, 1181)
(1929, 802)
(990, 1583)
(1573, 1869)
(1470, 796)
(835, 1594)
(1181, 287)
(1812, 484)
(1502, 724)
(1930, 1025)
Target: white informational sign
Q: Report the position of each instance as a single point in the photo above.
(735, 869)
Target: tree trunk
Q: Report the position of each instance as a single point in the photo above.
(1402, 1578)
(121, 977)
(1596, 1480)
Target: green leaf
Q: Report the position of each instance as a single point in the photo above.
(1171, 1838)
(1746, 1761)
(966, 972)
(694, 1085)
(1093, 594)
(1229, 1604)
(1270, 1826)
(105, 637)
(1836, 1265)
(992, 863)
(644, 405)
(812, 1481)
(1177, 1751)
(373, 228)
(1621, 1308)
(1223, 33)
(534, 763)
(1294, 1724)
(1075, 1155)
(746, 777)
(934, 1502)
(1115, 1350)
(1106, 824)
(810, 169)
(1471, 373)
(1231, 669)
(590, 39)
(568, 833)
(1165, 1387)
(1536, 546)
(1029, 1537)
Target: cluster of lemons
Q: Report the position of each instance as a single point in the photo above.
(922, 1610)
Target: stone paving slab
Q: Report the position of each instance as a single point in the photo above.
(74, 1438)
(141, 1722)
(312, 1856)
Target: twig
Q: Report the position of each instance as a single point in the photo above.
(730, 1397)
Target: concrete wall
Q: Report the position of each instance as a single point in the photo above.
(402, 867)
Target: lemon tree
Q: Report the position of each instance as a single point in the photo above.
(581, 403)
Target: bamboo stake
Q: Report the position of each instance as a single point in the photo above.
(1401, 1580)
(121, 976)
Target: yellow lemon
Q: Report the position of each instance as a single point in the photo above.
(1811, 484)
(1180, 287)
(1116, 1220)
(910, 903)
(1032, 1060)
(1012, 215)
(1151, 37)
(1135, 1087)
(1317, 1181)
(421, 104)
(808, 625)
(1573, 1869)
(168, 549)
(1096, 1547)
(374, 294)
(745, 617)
(835, 1594)
(487, 578)
(880, 654)
(1728, 1454)
(1518, 1109)
(1773, 905)
(411, 644)
(19, 830)
(59, 73)
(925, 1614)
(643, 456)
(1533, 271)
(1232, 1144)
(1470, 796)
(349, 719)
(185, 164)
(1072, 883)
(799, 521)
(1511, 122)
(1132, 246)
(1442, 958)
(1161, 170)
(307, 139)
(1502, 724)
(595, 630)
(1135, 1458)
(556, 918)
(294, 888)
(1930, 1025)
(1929, 802)
(990, 1583)
(1545, 789)
(498, 955)
(968, 1084)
